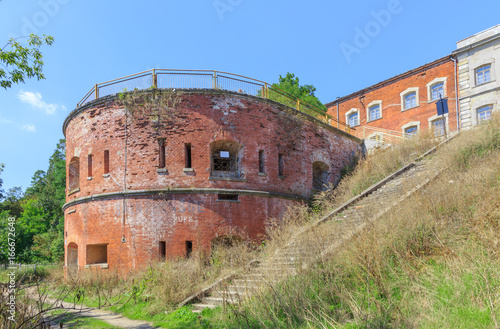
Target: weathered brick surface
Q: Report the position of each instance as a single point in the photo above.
(201, 118)
(393, 117)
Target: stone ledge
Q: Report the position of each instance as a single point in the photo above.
(103, 266)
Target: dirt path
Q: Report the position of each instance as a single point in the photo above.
(109, 317)
(113, 319)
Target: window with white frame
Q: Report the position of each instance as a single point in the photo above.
(438, 127)
(409, 98)
(484, 113)
(352, 118)
(437, 91)
(411, 128)
(374, 110)
(411, 131)
(483, 74)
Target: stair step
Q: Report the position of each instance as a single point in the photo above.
(200, 307)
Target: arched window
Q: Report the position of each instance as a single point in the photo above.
(374, 112)
(409, 98)
(483, 74)
(74, 174)
(320, 176)
(484, 113)
(438, 126)
(411, 131)
(352, 117)
(437, 91)
(72, 258)
(225, 159)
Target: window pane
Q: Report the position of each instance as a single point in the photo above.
(411, 131)
(438, 127)
(484, 113)
(353, 119)
(374, 112)
(410, 100)
(437, 90)
(483, 74)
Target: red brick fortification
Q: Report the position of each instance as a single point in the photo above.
(143, 184)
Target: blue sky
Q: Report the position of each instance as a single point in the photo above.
(319, 41)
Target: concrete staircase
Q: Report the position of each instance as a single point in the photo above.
(323, 238)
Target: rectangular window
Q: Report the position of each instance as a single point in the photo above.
(89, 165)
(162, 250)
(410, 100)
(227, 197)
(374, 112)
(97, 254)
(161, 156)
(261, 161)
(438, 127)
(280, 165)
(353, 119)
(484, 113)
(189, 248)
(437, 91)
(106, 162)
(187, 148)
(483, 74)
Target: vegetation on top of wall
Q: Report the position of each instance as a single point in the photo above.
(157, 105)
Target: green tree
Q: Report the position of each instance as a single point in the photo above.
(48, 189)
(290, 84)
(12, 202)
(32, 222)
(21, 61)
(38, 213)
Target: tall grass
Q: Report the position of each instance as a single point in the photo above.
(374, 168)
(153, 290)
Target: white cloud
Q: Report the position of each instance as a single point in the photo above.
(29, 127)
(35, 100)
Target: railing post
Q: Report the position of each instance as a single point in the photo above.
(214, 80)
(298, 104)
(266, 91)
(155, 83)
(96, 92)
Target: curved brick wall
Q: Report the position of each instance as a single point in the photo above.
(172, 205)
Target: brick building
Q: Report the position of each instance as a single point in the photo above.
(143, 185)
(402, 105)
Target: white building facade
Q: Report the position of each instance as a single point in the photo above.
(478, 76)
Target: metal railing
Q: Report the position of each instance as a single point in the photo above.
(208, 79)
(382, 135)
(23, 267)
